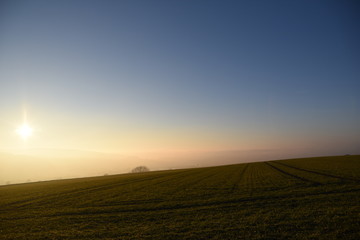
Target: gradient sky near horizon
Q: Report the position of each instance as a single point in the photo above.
(162, 76)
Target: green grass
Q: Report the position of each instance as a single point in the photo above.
(312, 198)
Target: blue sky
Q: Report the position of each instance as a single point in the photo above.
(183, 75)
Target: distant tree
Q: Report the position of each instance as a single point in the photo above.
(140, 169)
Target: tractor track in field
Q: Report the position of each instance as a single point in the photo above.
(193, 182)
(316, 172)
(180, 187)
(293, 175)
(54, 196)
(240, 177)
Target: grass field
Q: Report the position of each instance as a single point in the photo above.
(312, 198)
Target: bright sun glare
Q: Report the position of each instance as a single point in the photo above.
(24, 131)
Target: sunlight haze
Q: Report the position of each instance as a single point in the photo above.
(110, 85)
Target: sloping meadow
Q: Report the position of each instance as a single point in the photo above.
(312, 198)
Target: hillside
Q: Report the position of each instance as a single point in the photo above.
(312, 198)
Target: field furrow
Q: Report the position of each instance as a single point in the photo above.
(237, 179)
(292, 174)
(344, 167)
(331, 176)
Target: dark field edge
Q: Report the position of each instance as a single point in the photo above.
(335, 157)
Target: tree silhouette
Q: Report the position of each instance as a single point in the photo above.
(140, 169)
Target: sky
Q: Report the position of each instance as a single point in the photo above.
(175, 83)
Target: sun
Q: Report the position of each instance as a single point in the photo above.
(24, 131)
